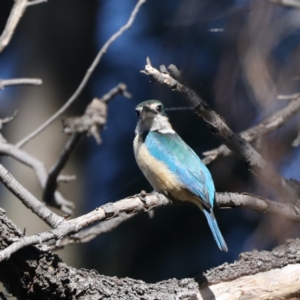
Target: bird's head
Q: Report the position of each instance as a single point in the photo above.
(151, 116)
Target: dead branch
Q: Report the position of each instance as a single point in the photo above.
(259, 204)
(35, 2)
(288, 97)
(28, 199)
(95, 116)
(12, 22)
(88, 234)
(91, 123)
(237, 144)
(134, 204)
(19, 81)
(288, 3)
(270, 124)
(41, 173)
(144, 202)
(86, 77)
(251, 277)
(3, 122)
(223, 200)
(51, 182)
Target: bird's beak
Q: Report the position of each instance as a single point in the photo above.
(148, 112)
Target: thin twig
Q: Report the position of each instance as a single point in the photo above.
(66, 178)
(41, 173)
(172, 78)
(29, 200)
(7, 119)
(12, 22)
(268, 125)
(3, 122)
(19, 81)
(288, 97)
(86, 77)
(35, 2)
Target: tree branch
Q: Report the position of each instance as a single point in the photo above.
(237, 144)
(41, 173)
(12, 22)
(37, 274)
(51, 182)
(255, 132)
(29, 200)
(259, 204)
(85, 78)
(88, 234)
(134, 204)
(288, 3)
(35, 2)
(92, 122)
(140, 203)
(223, 200)
(19, 81)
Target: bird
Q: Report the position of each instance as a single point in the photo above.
(171, 166)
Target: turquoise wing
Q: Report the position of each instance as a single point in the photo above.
(184, 162)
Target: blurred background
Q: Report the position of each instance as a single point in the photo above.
(238, 55)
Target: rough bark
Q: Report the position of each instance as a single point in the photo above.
(35, 273)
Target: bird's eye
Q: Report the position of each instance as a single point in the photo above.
(138, 113)
(159, 108)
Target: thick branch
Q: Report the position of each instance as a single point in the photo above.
(36, 274)
(255, 132)
(86, 77)
(237, 144)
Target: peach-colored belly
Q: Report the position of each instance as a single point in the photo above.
(159, 176)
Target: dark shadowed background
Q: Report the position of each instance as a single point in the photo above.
(238, 55)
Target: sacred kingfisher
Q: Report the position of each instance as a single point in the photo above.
(171, 166)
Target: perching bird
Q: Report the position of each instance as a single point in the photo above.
(171, 166)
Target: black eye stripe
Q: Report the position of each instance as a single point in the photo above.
(137, 112)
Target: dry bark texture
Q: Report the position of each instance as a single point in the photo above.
(33, 273)
(254, 262)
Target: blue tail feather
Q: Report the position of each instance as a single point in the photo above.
(212, 222)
